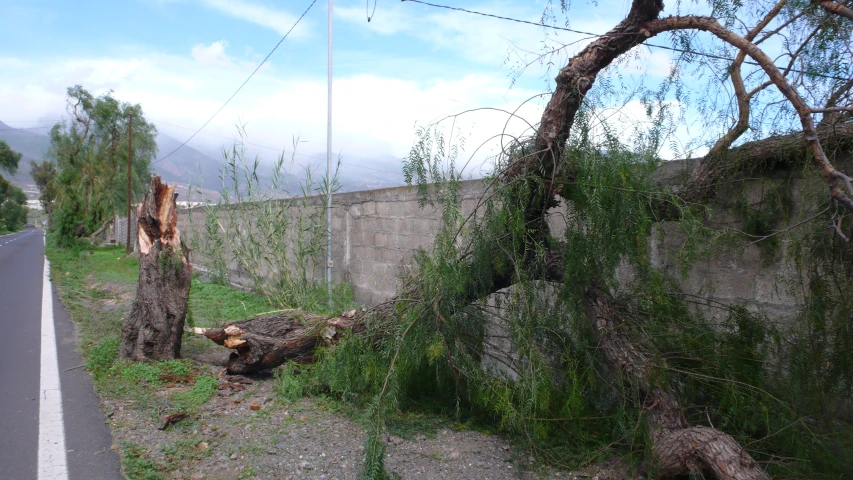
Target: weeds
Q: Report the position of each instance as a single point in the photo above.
(273, 232)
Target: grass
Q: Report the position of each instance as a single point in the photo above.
(96, 286)
(212, 305)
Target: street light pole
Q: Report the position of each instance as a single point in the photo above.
(129, 163)
(329, 170)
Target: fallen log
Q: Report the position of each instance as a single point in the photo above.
(268, 341)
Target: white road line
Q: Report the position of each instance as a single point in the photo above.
(51, 458)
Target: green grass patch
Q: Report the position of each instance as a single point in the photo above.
(137, 465)
(212, 305)
(191, 400)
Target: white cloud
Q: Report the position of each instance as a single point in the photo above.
(374, 116)
(262, 15)
(480, 39)
(213, 54)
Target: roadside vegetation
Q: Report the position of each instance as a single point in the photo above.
(83, 178)
(221, 431)
(96, 285)
(13, 201)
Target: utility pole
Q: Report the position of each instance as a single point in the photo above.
(129, 150)
(329, 170)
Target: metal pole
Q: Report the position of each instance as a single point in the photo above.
(129, 150)
(329, 170)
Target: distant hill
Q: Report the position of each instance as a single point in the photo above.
(190, 166)
(33, 144)
(186, 166)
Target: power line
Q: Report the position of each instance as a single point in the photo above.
(242, 85)
(598, 35)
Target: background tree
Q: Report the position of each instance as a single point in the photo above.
(9, 159)
(89, 151)
(13, 201)
(44, 174)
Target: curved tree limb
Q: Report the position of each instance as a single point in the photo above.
(709, 24)
(702, 179)
(836, 8)
(678, 448)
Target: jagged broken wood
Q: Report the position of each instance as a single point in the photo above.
(155, 325)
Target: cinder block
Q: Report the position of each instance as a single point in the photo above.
(383, 209)
(387, 224)
(398, 209)
(380, 239)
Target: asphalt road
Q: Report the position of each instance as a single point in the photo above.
(87, 437)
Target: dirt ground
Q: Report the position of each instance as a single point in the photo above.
(246, 431)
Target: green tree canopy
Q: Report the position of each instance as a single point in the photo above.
(9, 158)
(13, 210)
(44, 174)
(89, 150)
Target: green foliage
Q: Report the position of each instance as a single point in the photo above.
(136, 465)
(89, 155)
(527, 361)
(13, 209)
(203, 389)
(101, 356)
(274, 236)
(212, 304)
(290, 384)
(9, 159)
(13, 201)
(44, 174)
(762, 219)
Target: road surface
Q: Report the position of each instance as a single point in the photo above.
(51, 424)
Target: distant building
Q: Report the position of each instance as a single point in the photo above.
(189, 204)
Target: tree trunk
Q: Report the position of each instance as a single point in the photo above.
(678, 448)
(156, 322)
(268, 341)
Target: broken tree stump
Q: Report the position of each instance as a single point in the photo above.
(156, 322)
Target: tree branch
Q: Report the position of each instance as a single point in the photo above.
(819, 158)
(836, 8)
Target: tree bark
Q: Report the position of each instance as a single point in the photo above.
(763, 155)
(268, 341)
(840, 185)
(836, 8)
(678, 448)
(156, 323)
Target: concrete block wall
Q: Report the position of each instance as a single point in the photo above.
(118, 232)
(376, 233)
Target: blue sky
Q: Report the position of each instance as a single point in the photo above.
(180, 59)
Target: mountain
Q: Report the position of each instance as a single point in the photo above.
(32, 143)
(186, 166)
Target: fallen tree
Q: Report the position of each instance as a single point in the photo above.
(520, 245)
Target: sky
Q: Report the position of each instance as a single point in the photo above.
(411, 65)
